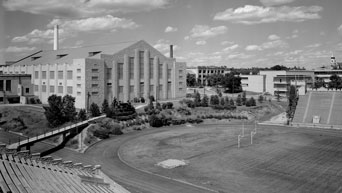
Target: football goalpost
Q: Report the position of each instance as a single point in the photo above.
(253, 132)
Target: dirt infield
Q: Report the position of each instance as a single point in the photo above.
(280, 160)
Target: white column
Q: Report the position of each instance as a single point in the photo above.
(156, 77)
(115, 80)
(146, 74)
(48, 80)
(40, 81)
(65, 79)
(126, 78)
(165, 78)
(136, 73)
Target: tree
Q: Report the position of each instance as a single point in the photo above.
(68, 109)
(277, 94)
(319, 82)
(214, 100)
(261, 99)
(53, 112)
(94, 110)
(190, 80)
(226, 100)
(205, 101)
(231, 82)
(82, 115)
(197, 99)
(243, 99)
(222, 101)
(279, 67)
(238, 100)
(105, 107)
(215, 79)
(252, 101)
(335, 82)
(231, 102)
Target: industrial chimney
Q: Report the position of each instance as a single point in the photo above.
(171, 51)
(55, 38)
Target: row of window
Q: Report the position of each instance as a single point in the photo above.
(211, 71)
(60, 89)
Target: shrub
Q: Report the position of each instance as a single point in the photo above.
(142, 100)
(101, 133)
(94, 110)
(205, 101)
(169, 105)
(82, 115)
(155, 121)
(261, 99)
(32, 101)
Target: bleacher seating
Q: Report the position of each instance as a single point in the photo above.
(326, 105)
(25, 173)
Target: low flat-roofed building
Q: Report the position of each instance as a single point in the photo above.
(15, 86)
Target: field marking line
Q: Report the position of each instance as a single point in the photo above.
(165, 177)
(307, 107)
(331, 107)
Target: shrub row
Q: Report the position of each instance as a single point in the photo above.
(219, 117)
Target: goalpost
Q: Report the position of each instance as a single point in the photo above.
(253, 132)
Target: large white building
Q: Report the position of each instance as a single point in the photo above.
(92, 74)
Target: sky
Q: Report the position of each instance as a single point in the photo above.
(233, 33)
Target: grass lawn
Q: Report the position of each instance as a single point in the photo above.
(280, 160)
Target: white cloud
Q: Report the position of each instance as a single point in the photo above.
(206, 32)
(340, 29)
(267, 45)
(275, 2)
(313, 45)
(273, 37)
(201, 42)
(164, 46)
(16, 49)
(226, 43)
(230, 48)
(253, 48)
(251, 14)
(82, 8)
(170, 29)
(70, 28)
(239, 56)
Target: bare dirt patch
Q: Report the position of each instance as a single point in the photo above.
(280, 160)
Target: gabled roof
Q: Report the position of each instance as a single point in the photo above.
(67, 55)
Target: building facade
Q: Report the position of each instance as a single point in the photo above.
(15, 87)
(93, 74)
(202, 72)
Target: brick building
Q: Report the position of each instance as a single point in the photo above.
(92, 74)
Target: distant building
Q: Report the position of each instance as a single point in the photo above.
(202, 72)
(15, 88)
(92, 74)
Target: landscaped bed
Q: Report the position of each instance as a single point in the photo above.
(280, 159)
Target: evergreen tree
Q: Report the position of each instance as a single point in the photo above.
(82, 115)
(243, 99)
(238, 100)
(212, 100)
(69, 110)
(226, 101)
(94, 110)
(222, 101)
(197, 99)
(252, 101)
(216, 100)
(261, 99)
(105, 107)
(205, 101)
(231, 102)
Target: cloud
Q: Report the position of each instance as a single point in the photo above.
(226, 43)
(275, 2)
(201, 42)
(69, 28)
(107, 22)
(170, 29)
(164, 46)
(253, 48)
(273, 37)
(16, 49)
(267, 45)
(230, 48)
(206, 32)
(239, 56)
(340, 29)
(82, 8)
(313, 45)
(251, 14)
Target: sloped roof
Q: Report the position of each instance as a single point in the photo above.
(51, 56)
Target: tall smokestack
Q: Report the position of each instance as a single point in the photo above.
(55, 38)
(171, 51)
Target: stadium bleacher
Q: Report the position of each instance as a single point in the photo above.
(22, 172)
(326, 105)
